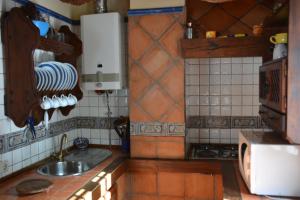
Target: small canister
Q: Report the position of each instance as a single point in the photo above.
(211, 34)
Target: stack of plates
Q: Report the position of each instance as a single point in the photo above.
(55, 76)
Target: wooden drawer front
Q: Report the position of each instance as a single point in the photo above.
(274, 120)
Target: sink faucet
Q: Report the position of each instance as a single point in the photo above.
(63, 140)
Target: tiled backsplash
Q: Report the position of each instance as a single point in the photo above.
(221, 87)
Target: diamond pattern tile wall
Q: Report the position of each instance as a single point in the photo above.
(156, 69)
(229, 17)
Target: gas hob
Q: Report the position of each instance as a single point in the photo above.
(214, 151)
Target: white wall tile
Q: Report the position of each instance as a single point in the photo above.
(17, 156)
(205, 90)
(204, 110)
(236, 68)
(226, 68)
(215, 90)
(204, 80)
(226, 110)
(215, 69)
(203, 69)
(247, 68)
(226, 87)
(247, 59)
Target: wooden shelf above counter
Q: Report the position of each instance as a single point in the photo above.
(226, 47)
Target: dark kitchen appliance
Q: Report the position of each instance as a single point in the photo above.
(273, 94)
(214, 151)
(122, 126)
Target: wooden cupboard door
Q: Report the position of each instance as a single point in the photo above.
(293, 110)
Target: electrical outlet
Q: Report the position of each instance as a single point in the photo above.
(3, 166)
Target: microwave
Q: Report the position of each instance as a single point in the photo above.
(268, 164)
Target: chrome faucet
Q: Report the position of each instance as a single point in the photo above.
(63, 140)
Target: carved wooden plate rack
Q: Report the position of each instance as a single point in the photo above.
(20, 38)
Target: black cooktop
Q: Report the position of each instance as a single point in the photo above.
(214, 151)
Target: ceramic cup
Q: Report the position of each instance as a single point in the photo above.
(63, 101)
(46, 103)
(55, 102)
(72, 100)
(46, 120)
(280, 38)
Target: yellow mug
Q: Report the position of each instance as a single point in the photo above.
(279, 38)
(211, 34)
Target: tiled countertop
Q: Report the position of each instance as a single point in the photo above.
(62, 187)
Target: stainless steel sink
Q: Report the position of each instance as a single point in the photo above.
(75, 163)
(64, 168)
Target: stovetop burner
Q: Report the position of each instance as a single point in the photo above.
(214, 151)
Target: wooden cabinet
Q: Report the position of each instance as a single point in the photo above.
(293, 83)
(20, 38)
(272, 87)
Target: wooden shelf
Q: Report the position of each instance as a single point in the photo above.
(22, 99)
(55, 46)
(226, 47)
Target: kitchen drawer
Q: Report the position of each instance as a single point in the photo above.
(274, 120)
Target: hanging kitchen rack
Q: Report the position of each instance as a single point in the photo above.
(20, 37)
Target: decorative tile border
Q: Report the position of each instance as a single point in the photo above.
(18, 139)
(157, 129)
(225, 122)
(244, 122)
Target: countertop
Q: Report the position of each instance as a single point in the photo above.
(63, 187)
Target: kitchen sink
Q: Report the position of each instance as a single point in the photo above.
(75, 163)
(64, 168)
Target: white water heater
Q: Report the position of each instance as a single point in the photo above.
(103, 60)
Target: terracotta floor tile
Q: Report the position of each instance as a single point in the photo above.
(256, 15)
(172, 150)
(173, 83)
(170, 198)
(175, 115)
(156, 24)
(143, 183)
(171, 184)
(156, 102)
(137, 114)
(138, 41)
(156, 62)
(142, 148)
(199, 186)
(171, 40)
(143, 197)
(138, 82)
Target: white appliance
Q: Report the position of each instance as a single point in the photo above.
(268, 164)
(103, 60)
